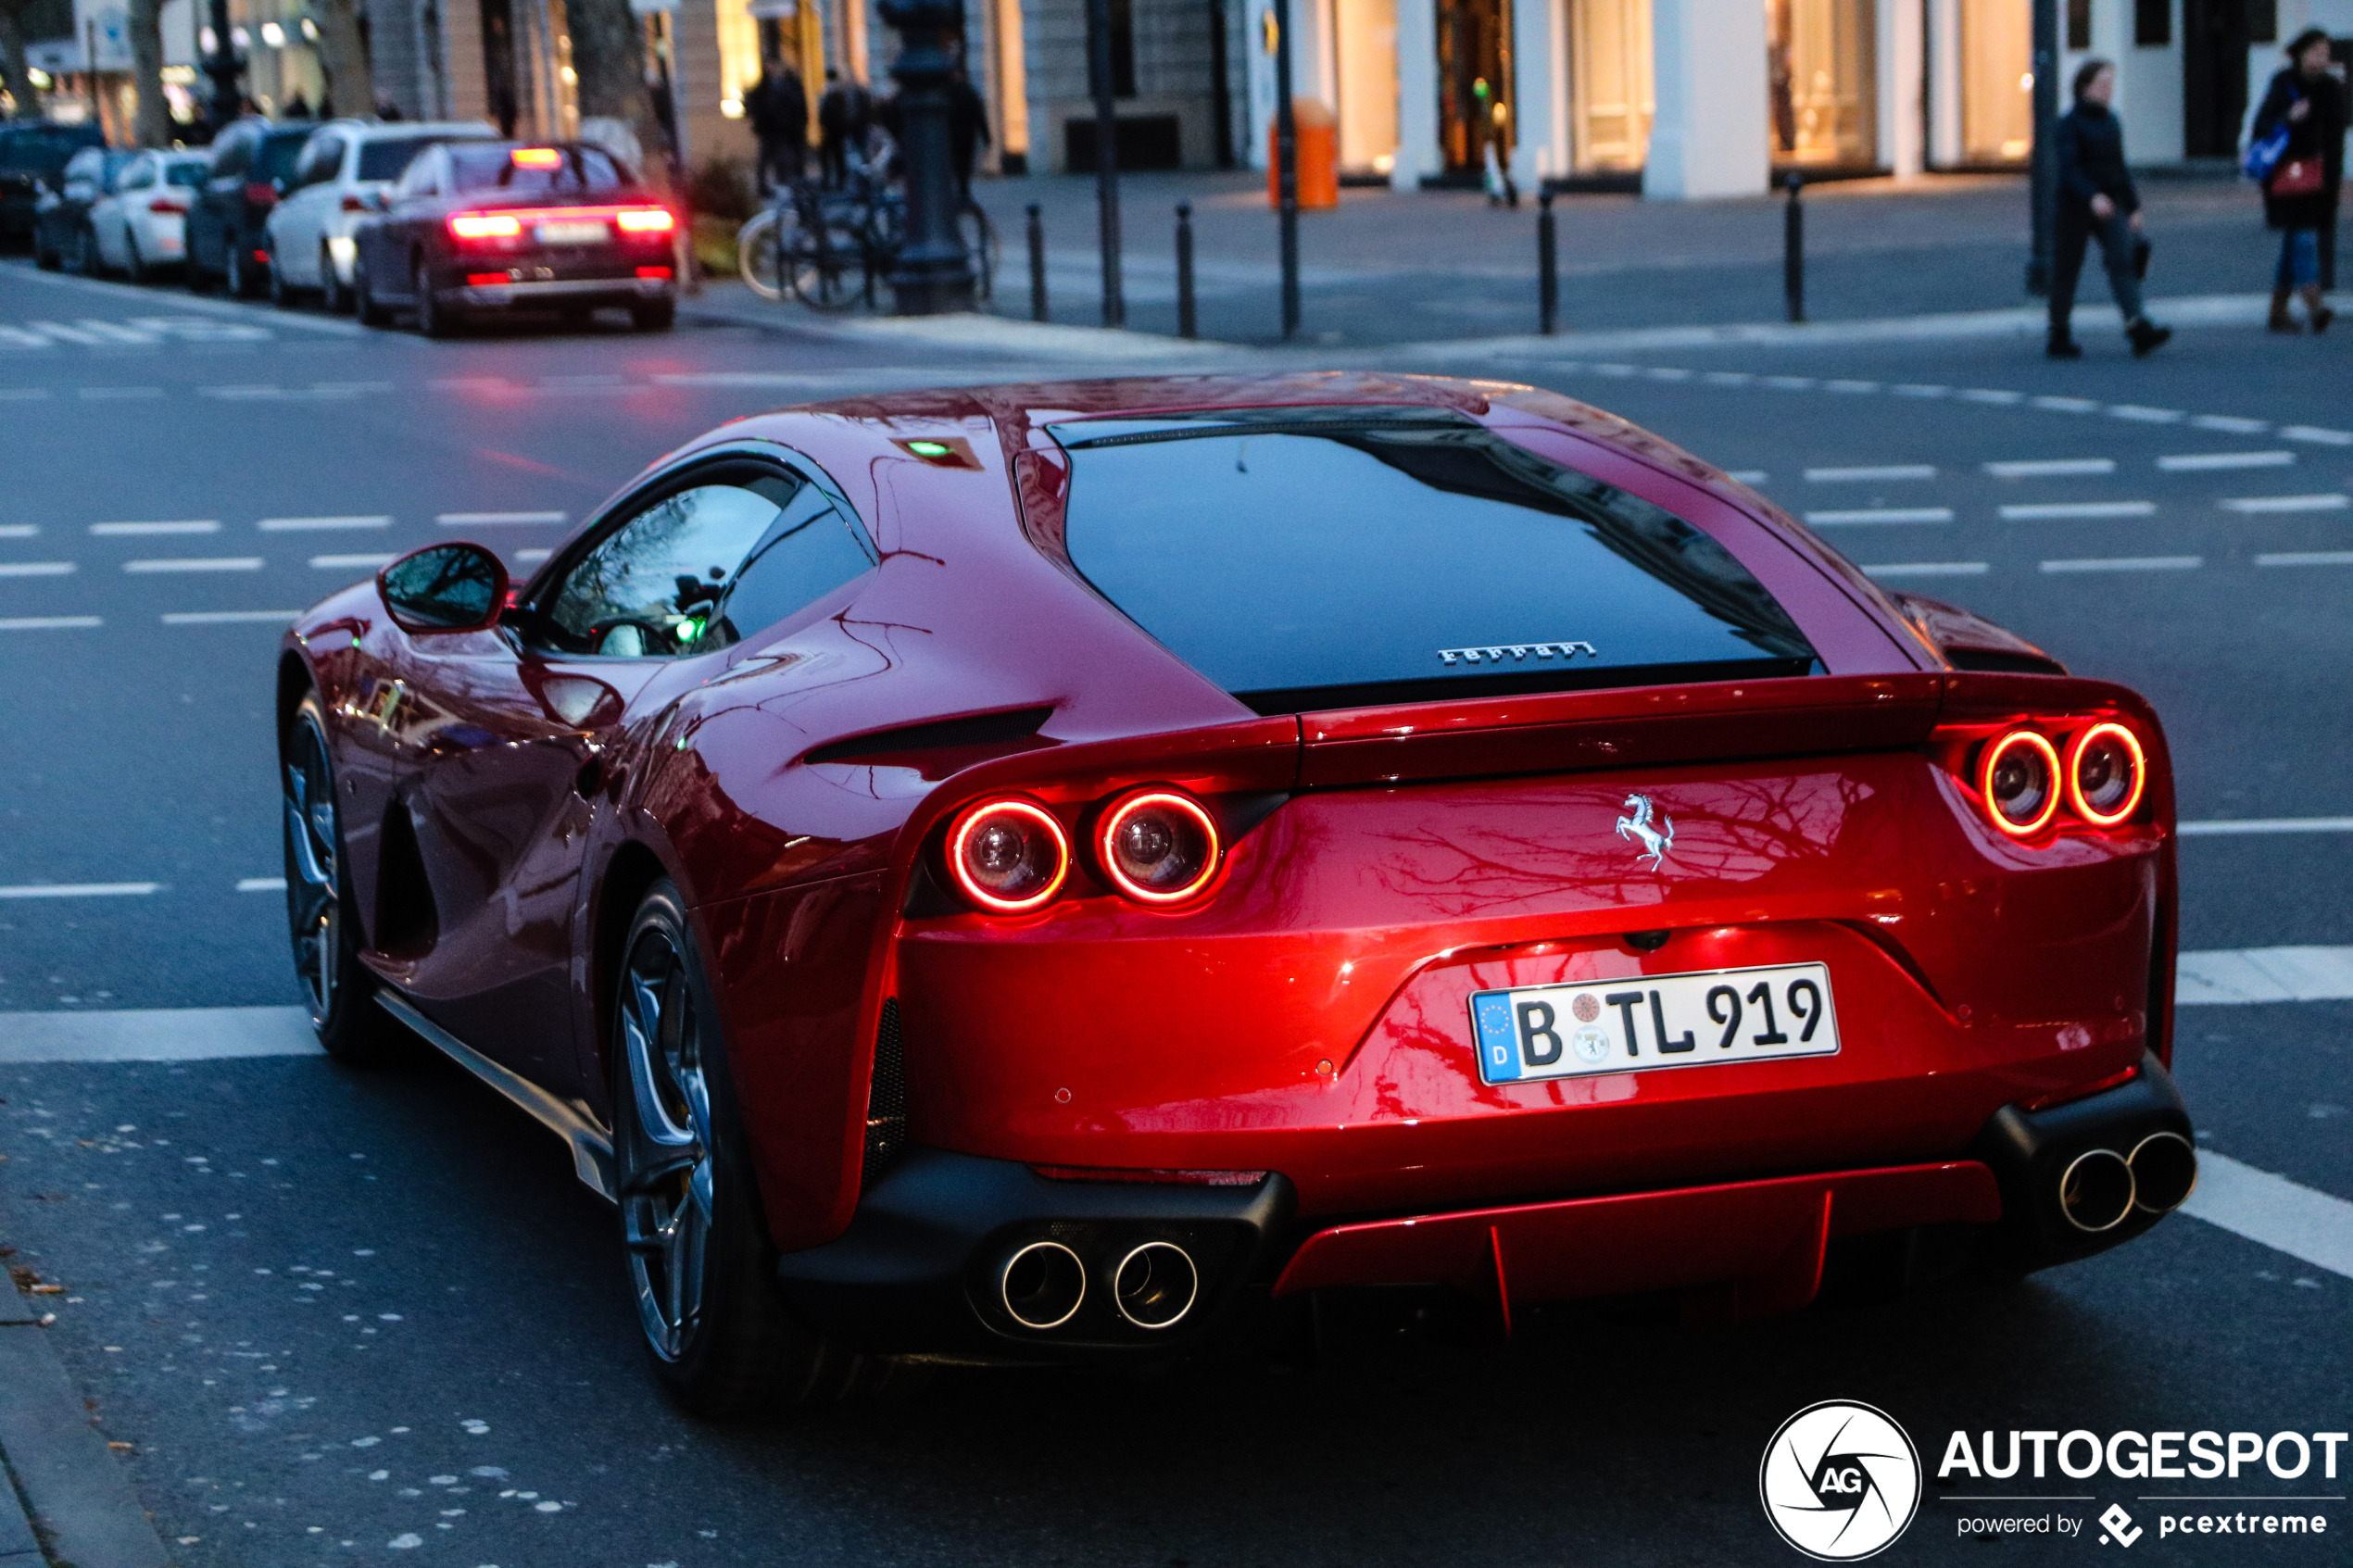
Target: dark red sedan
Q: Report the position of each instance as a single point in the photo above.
(480, 228)
(1064, 871)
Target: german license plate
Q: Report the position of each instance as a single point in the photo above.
(571, 233)
(1654, 1021)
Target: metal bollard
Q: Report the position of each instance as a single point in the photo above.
(1793, 247)
(1037, 265)
(1548, 279)
(1187, 325)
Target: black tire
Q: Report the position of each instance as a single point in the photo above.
(721, 1340)
(655, 316)
(333, 297)
(338, 989)
(87, 260)
(433, 318)
(235, 276)
(364, 302)
(48, 260)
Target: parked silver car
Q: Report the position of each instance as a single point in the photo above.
(338, 180)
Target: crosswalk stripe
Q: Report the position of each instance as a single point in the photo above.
(319, 524)
(464, 519)
(80, 889)
(2306, 558)
(142, 529)
(2247, 975)
(196, 563)
(2209, 463)
(1929, 569)
(2129, 563)
(2282, 1215)
(1864, 515)
(48, 622)
(1885, 470)
(229, 617)
(2264, 505)
(2052, 511)
(36, 569)
(2052, 468)
(352, 563)
(156, 1034)
(2227, 825)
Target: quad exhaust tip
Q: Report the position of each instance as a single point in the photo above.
(1041, 1285)
(2164, 1172)
(1155, 1285)
(2095, 1191)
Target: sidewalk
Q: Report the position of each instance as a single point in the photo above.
(1432, 266)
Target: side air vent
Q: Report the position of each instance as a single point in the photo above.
(886, 1099)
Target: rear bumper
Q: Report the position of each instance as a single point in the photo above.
(919, 1269)
(561, 291)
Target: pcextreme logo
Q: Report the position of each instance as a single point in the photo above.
(1840, 1481)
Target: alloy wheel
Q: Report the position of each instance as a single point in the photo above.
(314, 903)
(666, 1172)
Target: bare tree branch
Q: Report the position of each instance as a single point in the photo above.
(343, 58)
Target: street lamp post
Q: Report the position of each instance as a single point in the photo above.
(934, 276)
(222, 69)
(1099, 71)
(1286, 170)
(2044, 182)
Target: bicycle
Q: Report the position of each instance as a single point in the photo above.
(809, 237)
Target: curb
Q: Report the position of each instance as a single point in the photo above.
(73, 1496)
(974, 332)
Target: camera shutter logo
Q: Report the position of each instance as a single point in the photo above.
(1840, 1481)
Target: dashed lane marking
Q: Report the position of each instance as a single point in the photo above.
(2306, 558)
(1860, 516)
(319, 524)
(1931, 569)
(353, 563)
(484, 520)
(196, 563)
(142, 530)
(49, 622)
(2146, 415)
(80, 890)
(2129, 563)
(156, 1034)
(2056, 511)
(1859, 476)
(2247, 975)
(531, 558)
(230, 617)
(1748, 476)
(121, 393)
(36, 568)
(2211, 462)
(2283, 1215)
(2318, 435)
(2229, 826)
(2231, 424)
(18, 530)
(2265, 505)
(2052, 468)
(262, 885)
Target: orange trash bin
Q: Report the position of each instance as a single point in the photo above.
(1319, 156)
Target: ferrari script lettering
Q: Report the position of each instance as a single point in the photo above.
(1516, 652)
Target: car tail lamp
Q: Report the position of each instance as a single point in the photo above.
(261, 194)
(167, 206)
(2019, 781)
(1008, 856)
(484, 225)
(488, 280)
(2107, 774)
(644, 220)
(536, 158)
(354, 202)
(1157, 847)
(654, 272)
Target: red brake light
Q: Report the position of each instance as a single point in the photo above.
(644, 220)
(2107, 772)
(356, 204)
(166, 204)
(488, 280)
(1158, 847)
(484, 225)
(536, 158)
(2019, 781)
(653, 271)
(1008, 857)
(261, 195)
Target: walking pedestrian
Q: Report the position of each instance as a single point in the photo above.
(967, 125)
(2300, 189)
(777, 107)
(843, 116)
(2096, 201)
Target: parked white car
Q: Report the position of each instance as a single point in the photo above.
(347, 164)
(141, 224)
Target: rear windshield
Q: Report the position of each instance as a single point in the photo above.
(188, 173)
(278, 155)
(389, 159)
(490, 168)
(1306, 558)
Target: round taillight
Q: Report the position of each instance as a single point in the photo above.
(1158, 847)
(1008, 855)
(2106, 770)
(2020, 781)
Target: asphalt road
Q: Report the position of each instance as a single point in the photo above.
(344, 1316)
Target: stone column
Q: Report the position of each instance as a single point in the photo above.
(1710, 136)
(1417, 151)
(1540, 95)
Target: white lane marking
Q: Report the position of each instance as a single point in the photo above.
(80, 889)
(2317, 435)
(531, 558)
(2229, 826)
(2054, 512)
(2282, 1215)
(2306, 558)
(17, 530)
(63, 333)
(1789, 383)
(1885, 470)
(2066, 405)
(2052, 468)
(319, 524)
(1931, 569)
(1921, 389)
(469, 520)
(156, 1034)
(142, 530)
(2263, 975)
(1713, 378)
(471, 384)
(120, 394)
(230, 617)
(196, 563)
(1748, 476)
(341, 563)
(35, 568)
(2129, 563)
(1993, 395)
(116, 331)
(262, 885)
(2145, 415)
(16, 337)
(2257, 505)
(2208, 462)
(1657, 373)
(49, 622)
(1846, 385)
(1863, 515)
(2231, 423)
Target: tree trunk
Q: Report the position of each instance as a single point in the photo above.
(343, 59)
(608, 53)
(14, 74)
(152, 128)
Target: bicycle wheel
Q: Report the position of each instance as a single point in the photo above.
(755, 255)
(981, 243)
(824, 271)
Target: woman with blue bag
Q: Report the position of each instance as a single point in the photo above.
(2296, 149)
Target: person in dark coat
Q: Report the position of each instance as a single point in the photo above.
(2096, 201)
(2310, 103)
(777, 107)
(843, 116)
(967, 126)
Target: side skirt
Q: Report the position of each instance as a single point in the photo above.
(591, 1143)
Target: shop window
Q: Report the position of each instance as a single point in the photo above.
(1609, 51)
(1822, 70)
(2079, 24)
(2152, 23)
(1998, 85)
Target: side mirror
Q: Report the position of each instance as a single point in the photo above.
(456, 588)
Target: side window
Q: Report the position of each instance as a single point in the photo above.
(140, 175)
(422, 177)
(320, 160)
(234, 155)
(702, 569)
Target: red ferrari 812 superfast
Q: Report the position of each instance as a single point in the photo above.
(1069, 872)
